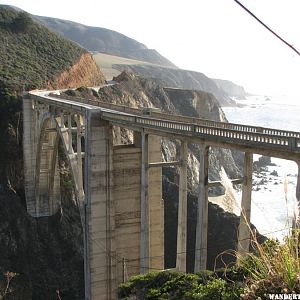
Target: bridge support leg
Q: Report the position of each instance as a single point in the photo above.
(244, 229)
(202, 213)
(145, 233)
(98, 227)
(29, 149)
(182, 211)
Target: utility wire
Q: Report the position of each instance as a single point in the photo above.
(266, 26)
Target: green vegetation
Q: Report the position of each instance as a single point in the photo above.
(272, 268)
(172, 285)
(30, 54)
(31, 57)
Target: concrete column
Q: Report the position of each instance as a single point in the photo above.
(99, 226)
(54, 180)
(29, 153)
(145, 236)
(156, 205)
(244, 226)
(70, 147)
(182, 211)
(202, 212)
(79, 158)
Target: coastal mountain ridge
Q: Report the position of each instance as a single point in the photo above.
(108, 44)
(97, 39)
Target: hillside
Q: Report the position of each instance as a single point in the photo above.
(115, 52)
(31, 55)
(97, 39)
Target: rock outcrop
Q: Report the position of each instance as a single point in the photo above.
(178, 78)
(231, 88)
(85, 72)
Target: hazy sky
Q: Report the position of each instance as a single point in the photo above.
(215, 37)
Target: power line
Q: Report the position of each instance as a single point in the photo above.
(266, 26)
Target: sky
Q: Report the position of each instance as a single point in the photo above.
(215, 37)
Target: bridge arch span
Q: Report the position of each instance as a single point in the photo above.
(50, 129)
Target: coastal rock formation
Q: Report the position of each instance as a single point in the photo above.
(178, 78)
(231, 88)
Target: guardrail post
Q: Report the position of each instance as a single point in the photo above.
(202, 212)
(182, 211)
(244, 226)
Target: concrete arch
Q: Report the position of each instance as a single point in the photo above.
(47, 179)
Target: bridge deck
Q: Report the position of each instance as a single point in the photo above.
(276, 142)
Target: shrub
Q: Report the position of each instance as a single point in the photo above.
(173, 285)
(274, 268)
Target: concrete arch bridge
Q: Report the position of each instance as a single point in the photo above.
(118, 188)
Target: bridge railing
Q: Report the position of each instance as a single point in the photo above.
(288, 143)
(185, 119)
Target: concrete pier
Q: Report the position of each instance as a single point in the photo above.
(182, 211)
(202, 213)
(29, 150)
(244, 226)
(99, 226)
(145, 233)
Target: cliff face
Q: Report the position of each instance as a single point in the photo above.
(178, 78)
(231, 88)
(85, 72)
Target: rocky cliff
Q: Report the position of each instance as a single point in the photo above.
(231, 88)
(178, 78)
(84, 72)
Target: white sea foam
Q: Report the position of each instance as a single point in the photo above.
(270, 204)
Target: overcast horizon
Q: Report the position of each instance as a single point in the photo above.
(215, 37)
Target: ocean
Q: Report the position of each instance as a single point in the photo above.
(273, 197)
